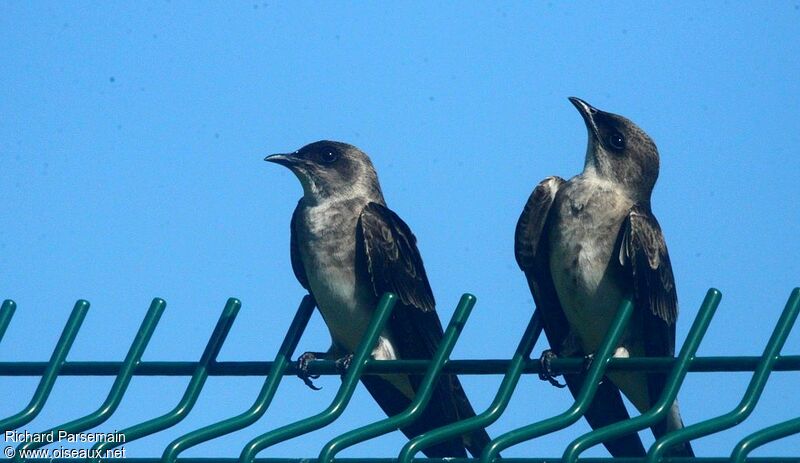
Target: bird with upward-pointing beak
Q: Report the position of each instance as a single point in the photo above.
(586, 243)
(347, 249)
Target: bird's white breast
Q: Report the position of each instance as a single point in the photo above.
(327, 245)
(327, 248)
(588, 217)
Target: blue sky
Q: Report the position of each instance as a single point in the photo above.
(131, 145)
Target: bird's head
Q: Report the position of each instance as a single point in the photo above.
(618, 150)
(331, 170)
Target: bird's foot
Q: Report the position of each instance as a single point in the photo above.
(587, 361)
(546, 373)
(302, 369)
(343, 364)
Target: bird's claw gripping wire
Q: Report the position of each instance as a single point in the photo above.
(587, 361)
(343, 364)
(302, 369)
(546, 372)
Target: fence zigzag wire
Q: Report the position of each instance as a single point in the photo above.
(520, 363)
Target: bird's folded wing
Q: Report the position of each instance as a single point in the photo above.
(643, 252)
(530, 250)
(531, 223)
(391, 257)
(297, 261)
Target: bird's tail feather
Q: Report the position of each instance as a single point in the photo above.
(392, 401)
(477, 440)
(448, 404)
(672, 422)
(673, 419)
(607, 408)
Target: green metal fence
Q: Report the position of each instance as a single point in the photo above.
(520, 363)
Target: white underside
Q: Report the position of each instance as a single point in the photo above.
(346, 308)
(581, 249)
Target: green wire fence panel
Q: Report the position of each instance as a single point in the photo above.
(520, 363)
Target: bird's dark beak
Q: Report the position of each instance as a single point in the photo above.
(287, 160)
(587, 112)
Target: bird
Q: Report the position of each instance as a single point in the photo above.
(586, 243)
(347, 249)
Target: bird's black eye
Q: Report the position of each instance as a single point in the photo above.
(617, 141)
(328, 156)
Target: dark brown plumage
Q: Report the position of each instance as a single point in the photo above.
(347, 250)
(570, 218)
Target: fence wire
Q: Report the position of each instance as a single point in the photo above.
(520, 363)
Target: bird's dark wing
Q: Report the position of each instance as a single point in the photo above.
(297, 262)
(387, 253)
(531, 252)
(392, 258)
(532, 221)
(643, 253)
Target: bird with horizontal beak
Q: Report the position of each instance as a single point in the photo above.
(347, 249)
(586, 243)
